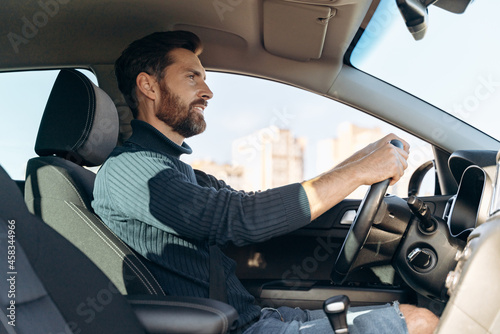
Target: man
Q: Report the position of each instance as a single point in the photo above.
(171, 214)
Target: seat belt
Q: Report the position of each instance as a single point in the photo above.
(217, 279)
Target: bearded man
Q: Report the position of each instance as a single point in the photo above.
(174, 216)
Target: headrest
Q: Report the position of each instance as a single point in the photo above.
(80, 122)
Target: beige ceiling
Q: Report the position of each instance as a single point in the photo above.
(93, 32)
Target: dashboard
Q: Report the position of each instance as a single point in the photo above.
(470, 207)
(433, 243)
(475, 173)
(473, 285)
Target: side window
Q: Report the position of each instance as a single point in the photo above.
(262, 134)
(24, 95)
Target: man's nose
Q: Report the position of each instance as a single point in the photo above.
(205, 92)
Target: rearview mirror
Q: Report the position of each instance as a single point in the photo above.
(415, 15)
(415, 12)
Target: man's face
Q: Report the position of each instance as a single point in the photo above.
(184, 94)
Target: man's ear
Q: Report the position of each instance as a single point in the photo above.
(147, 85)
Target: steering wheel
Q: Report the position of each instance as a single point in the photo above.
(360, 227)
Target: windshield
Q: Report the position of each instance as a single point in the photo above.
(455, 66)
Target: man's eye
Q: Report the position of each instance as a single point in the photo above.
(191, 76)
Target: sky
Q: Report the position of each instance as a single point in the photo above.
(456, 66)
(234, 112)
(465, 81)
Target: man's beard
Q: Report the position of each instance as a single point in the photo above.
(180, 116)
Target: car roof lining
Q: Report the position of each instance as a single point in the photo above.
(232, 36)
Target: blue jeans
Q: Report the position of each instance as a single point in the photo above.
(380, 319)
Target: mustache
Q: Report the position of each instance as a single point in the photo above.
(198, 102)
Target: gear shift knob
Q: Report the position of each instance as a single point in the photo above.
(336, 310)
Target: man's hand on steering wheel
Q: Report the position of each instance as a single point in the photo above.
(381, 160)
(374, 163)
(368, 208)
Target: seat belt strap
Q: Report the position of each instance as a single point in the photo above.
(217, 279)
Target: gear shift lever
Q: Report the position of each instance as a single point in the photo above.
(336, 310)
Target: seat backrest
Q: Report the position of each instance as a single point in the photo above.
(79, 128)
(48, 285)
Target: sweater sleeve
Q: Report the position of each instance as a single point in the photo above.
(152, 191)
(207, 180)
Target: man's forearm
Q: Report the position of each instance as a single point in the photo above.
(329, 189)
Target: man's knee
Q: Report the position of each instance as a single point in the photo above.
(419, 320)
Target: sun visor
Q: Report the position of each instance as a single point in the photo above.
(294, 30)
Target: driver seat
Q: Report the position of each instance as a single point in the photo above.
(79, 129)
(57, 289)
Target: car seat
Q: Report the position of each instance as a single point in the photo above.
(53, 287)
(79, 128)
(49, 286)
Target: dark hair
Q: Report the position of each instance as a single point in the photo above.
(150, 54)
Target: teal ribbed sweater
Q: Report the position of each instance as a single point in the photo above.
(170, 214)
